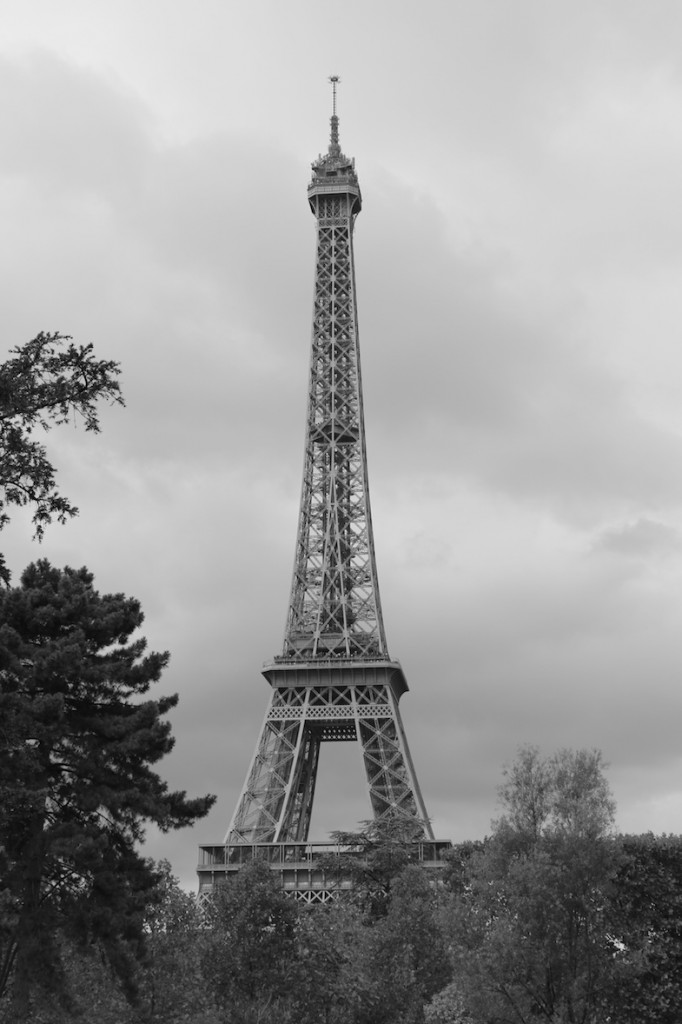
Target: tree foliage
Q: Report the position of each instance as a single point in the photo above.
(410, 960)
(271, 958)
(647, 916)
(373, 857)
(333, 980)
(254, 925)
(78, 743)
(565, 795)
(531, 926)
(49, 381)
(171, 984)
(553, 918)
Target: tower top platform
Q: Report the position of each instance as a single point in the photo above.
(333, 172)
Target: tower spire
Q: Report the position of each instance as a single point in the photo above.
(334, 147)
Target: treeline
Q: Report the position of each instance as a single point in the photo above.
(553, 918)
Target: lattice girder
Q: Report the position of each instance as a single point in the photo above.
(312, 705)
(335, 608)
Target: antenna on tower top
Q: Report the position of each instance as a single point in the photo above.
(334, 148)
(334, 79)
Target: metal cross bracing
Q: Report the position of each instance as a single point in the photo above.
(312, 704)
(334, 608)
(334, 680)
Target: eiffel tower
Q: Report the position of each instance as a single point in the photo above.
(334, 679)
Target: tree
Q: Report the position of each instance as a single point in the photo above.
(269, 958)
(45, 385)
(77, 744)
(647, 921)
(410, 961)
(373, 857)
(94, 993)
(250, 964)
(531, 925)
(563, 795)
(333, 980)
(172, 988)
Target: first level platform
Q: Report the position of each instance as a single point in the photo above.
(313, 872)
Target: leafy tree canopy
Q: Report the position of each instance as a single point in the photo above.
(530, 916)
(48, 381)
(255, 928)
(566, 794)
(647, 918)
(374, 856)
(77, 744)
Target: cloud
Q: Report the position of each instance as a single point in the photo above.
(68, 130)
(492, 391)
(641, 539)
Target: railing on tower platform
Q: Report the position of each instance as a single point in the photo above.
(315, 872)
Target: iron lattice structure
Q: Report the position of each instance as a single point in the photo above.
(334, 679)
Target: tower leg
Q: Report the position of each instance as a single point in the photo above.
(299, 806)
(276, 803)
(393, 789)
(259, 810)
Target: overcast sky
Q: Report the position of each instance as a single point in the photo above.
(518, 269)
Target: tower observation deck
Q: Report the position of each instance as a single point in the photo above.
(334, 679)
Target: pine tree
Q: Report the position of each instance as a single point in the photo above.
(78, 739)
